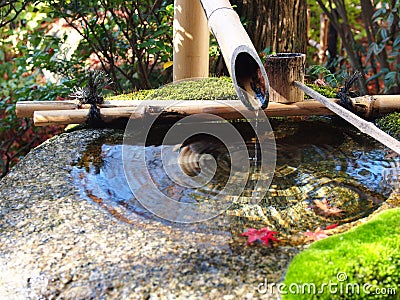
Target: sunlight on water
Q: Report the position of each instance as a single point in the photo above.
(324, 175)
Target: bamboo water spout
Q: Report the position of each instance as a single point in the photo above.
(241, 58)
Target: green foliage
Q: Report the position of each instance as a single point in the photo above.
(10, 9)
(377, 24)
(330, 78)
(390, 124)
(367, 254)
(130, 39)
(387, 38)
(25, 51)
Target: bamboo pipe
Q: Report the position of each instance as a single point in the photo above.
(241, 58)
(364, 126)
(191, 39)
(381, 104)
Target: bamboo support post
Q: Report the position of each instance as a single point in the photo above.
(282, 70)
(191, 39)
(363, 125)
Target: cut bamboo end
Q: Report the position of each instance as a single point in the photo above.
(282, 70)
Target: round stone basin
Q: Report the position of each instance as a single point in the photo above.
(326, 173)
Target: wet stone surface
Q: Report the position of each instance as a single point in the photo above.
(56, 245)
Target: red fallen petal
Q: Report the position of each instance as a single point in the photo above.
(315, 236)
(267, 239)
(264, 235)
(331, 226)
(249, 231)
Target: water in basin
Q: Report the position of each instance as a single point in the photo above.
(326, 173)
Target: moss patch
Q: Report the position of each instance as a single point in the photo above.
(213, 88)
(367, 254)
(390, 124)
(326, 91)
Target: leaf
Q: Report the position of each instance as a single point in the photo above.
(319, 234)
(332, 226)
(374, 76)
(379, 12)
(396, 42)
(263, 235)
(390, 19)
(322, 207)
(384, 33)
(316, 235)
(168, 64)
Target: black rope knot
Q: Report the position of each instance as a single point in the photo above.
(92, 94)
(344, 94)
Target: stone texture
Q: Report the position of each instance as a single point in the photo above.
(54, 244)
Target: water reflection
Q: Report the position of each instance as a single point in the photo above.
(324, 175)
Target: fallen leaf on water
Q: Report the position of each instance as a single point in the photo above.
(322, 207)
(263, 235)
(331, 226)
(319, 234)
(316, 235)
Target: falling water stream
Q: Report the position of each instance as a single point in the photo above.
(326, 173)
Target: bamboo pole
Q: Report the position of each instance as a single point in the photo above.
(241, 58)
(381, 104)
(364, 126)
(230, 110)
(25, 109)
(191, 39)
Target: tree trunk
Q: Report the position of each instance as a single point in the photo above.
(279, 25)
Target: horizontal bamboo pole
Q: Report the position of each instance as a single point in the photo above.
(25, 109)
(382, 104)
(235, 110)
(363, 125)
(387, 103)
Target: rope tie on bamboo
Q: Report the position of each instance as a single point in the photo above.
(92, 94)
(362, 107)
(344, 94)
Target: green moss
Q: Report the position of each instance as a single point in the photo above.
(367, 254)
(326, 91)
(139, 95)
(213, 88)
(390, 124)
